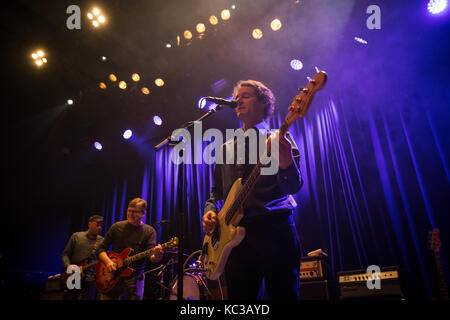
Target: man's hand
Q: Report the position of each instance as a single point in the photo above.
(285, 157)
(209, 222)
(157, 253)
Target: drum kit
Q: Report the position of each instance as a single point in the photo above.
(161, 283)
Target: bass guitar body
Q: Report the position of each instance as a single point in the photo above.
(226, 235)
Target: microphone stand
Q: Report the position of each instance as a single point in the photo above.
(181, 185)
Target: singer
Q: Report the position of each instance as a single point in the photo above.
(269, 249)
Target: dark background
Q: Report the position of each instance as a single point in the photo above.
(390, 101)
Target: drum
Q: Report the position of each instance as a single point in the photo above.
(194, 287)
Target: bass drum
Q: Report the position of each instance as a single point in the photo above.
(194, 288)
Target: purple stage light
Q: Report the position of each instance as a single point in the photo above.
(437, 6)
(201, 103)
(296, 64)
(157, 120)
(98, 145)
(127, 134)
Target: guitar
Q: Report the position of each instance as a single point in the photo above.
(64, 275)
(105, 281)
(227, 234)
(435, 245)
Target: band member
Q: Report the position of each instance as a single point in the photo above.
(270, 248)
(82, 247)
(130, 233)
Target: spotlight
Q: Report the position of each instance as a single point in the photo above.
(127, 134)
(135, 77)
(159, 82)
(102, 85)
(233, 6)
(70, 102)
(360, 40)
(201, 103)
(157, 120)
(213, 20)
(39, 58)
(96, 18)
(187, 35)
(168, 45)
(200, 28)
(122, 85)
(225, 14)
(437, 6)
(103, 58)
(257, 34)
(112, 77)
(275, 25)
(98, 145)
(145, 90)
(296, 64)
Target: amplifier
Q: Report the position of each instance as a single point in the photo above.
(313, 268)
(355, 284)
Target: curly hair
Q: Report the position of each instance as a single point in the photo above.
(264, 95)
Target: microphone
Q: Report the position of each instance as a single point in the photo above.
(220, 101)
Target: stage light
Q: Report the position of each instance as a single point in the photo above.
(103, 58)
(257, 34)
(201, 103)
(200, 28)
(157, 120)
(145, 90)
(127, 134)
(275, 24)
(102, 85)
(213, 20)
(296, 64)
(437, 6)
(187, 35)
(96, 17)
(159, 82)
(98, 145)
(233, 6)
(39, 58)
(122, 85)
(70, 102)
(360, 40)
(135, 77)
(112, 77)
(225, 14)
(168, 45)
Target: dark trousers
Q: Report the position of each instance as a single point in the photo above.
(269, 251)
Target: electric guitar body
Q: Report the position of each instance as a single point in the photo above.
(225, 236)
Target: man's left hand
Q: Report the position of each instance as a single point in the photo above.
(285, 157)
(157, 253)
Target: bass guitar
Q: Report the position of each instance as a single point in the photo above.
(105, 281)
(227, 234)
